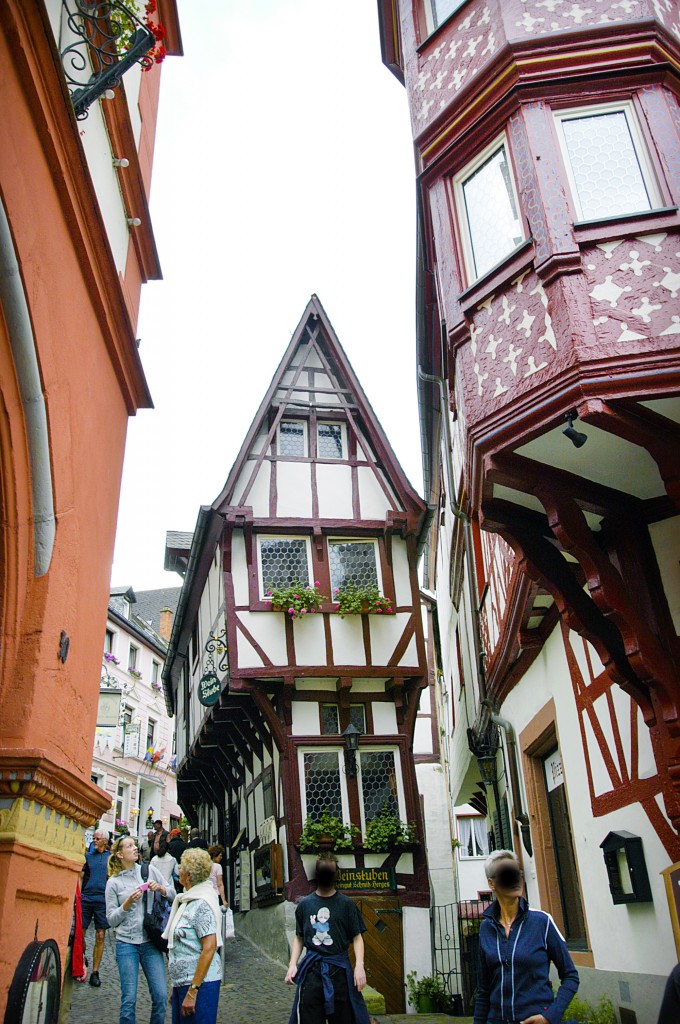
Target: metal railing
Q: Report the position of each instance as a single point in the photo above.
(455, 950)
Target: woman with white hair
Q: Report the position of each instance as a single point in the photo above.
(194, 936)
(516, 948)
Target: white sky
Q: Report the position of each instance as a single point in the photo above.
(283, 166)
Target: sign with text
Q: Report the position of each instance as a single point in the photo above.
(209, 689)
(131, 741)
(108, 712)
(366, 878)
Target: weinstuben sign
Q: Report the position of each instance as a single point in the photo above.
(209, 689)
(366, 878)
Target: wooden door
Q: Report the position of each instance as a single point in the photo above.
(384, 948)
(563, 845)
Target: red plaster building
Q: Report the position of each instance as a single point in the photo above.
(77, 127)
(547, 140)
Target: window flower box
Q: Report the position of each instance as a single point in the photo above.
(135, 673)
(387, 832)
(296, 600)
(111, 658)
(367, 600)
(327, 833)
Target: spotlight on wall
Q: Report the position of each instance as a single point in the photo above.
(134, 222)
(120, 161)
(575, 436)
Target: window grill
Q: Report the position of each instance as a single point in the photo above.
(378, 783)
(352, 562)
(322, 783)
(283, 562)
(330, 720)
(329, 441)
(292, 438)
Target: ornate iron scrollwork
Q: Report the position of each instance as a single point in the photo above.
(106, 39)
(217, 644)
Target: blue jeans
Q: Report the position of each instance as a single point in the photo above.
(129, 956)
(206, 1003)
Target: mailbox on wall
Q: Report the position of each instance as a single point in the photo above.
(624, 859)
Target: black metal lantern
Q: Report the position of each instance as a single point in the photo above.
(487, 767)
(351, 737)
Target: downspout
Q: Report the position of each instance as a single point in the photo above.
(521, 817)
(15, 309)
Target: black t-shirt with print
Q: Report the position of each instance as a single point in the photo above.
(328, 924)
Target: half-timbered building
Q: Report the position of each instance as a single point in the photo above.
(547, 137)
(264, 692)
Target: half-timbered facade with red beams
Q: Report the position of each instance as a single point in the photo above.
(315, 499)
(547, 135)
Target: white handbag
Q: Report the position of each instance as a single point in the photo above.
(229, 931)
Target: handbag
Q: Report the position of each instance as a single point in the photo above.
(156, 918)
(229, 930)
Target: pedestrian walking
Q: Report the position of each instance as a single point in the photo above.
(670, 1006)
(176, 845)
(165, 862)
(126, 901)
(216, 853)
(194, 937)
(159, 834)
(93, 898)
(516, 947)
(326, 923)
(197, 841)
(145, 847)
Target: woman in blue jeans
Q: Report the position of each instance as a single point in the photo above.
(126, 896)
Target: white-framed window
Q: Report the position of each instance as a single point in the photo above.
(353, 561)
(155, 671)
(437, 11)
(607, 163)
(323, 785)
(133, 656)
(108, 641)
(473, 835)
(150, 734)
(282, 562)
(380, 783)
(331, 441)
(122, 801)
(292, 438)
(488, 209)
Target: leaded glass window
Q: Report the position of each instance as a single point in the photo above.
(330, 720)
(283, 562)
(490, 215)
(322, 783)
(606, 163)
(292, 438)
(357, 716)
(352, 562)
(378, 783)
(329, 441)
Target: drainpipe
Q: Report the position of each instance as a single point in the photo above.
(521, 817)
(15, 309)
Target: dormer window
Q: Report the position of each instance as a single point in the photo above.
(353, 561)
(283, 562)
(330, 441)
(292, 438)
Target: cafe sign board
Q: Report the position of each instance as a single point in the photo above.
(366, 878)
(108, 712)
(209, 689)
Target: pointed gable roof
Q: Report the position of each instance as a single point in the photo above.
(315, 373)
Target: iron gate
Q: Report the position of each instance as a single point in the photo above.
(455, 950)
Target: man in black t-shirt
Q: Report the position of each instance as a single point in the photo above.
(326, 923)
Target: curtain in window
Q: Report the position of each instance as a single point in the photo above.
(465, 836)
(481, 836)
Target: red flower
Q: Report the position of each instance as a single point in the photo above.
(160, 55)
(150, 7)
(158, 31)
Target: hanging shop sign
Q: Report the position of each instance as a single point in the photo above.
(366, 878)
(209, 689)
(108, 712)
(131, 741)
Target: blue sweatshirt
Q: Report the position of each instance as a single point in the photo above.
(514, 971)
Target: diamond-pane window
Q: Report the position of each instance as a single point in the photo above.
(329, 441)
(378, 783)
(330, 720)
(607, 164)
(489, 212)
(357, 717)
(322, 783)
(292, 438)
(352, 562)
(283, 562)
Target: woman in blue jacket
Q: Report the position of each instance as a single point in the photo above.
(516, 947)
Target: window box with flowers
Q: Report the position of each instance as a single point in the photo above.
(327, 833)
(351, 599)
(122, 826)
(127, 20)
(156, 686)
(387, 831)
(135, 673)
(296, 600)
(111, 658)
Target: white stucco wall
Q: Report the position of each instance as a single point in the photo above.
(417, 943)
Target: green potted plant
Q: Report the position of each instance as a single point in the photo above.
(388, 830)
(327, 832)
(426, 995)
(350, 599)
(296, 600)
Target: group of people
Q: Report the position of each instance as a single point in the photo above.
(119, 886)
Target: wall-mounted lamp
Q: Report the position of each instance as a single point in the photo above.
(487, 768)
(575, 436)
(134, 222)
(121, 161)
(351, 737)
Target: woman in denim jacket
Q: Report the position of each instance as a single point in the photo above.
(126, 896)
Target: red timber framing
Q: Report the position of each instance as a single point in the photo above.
(313, 383)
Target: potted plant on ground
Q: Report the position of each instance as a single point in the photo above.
(386, 831)
(351, 599)
(326, 833)
(426, 995)
(297, 600)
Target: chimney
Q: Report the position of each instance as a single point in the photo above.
(166, 624)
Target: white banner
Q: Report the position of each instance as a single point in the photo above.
(131, 744)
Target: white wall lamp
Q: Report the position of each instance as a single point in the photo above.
(120, 161)
(134, 222)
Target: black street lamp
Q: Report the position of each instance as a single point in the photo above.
(351, 737)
